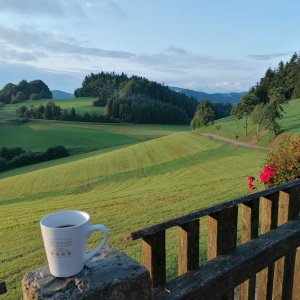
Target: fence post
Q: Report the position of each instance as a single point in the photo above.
(250, 222)
(291, 204)
(188, 257)
(269, 221)
(284, 267)
(222, 235)
(296, 287)
(154, 251)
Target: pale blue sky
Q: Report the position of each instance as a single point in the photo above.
(211, 45)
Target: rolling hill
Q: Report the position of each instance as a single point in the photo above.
(231, 98)
(126, 189)
(58, 94)
(235, 129)
(161, 173)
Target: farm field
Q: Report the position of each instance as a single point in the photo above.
(83, 139)
(81, 105)
(126, 189)
(38, 135)
(235, 129)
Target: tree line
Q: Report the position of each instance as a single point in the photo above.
(50, 111)
(144, 109)
(33, 90)
(207, 112)
(264, 102)
(137, 99)
(11, 158)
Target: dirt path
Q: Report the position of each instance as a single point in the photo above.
(231, 141)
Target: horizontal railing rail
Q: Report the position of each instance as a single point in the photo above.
(255, 215)
(206, 211)
(227, 271)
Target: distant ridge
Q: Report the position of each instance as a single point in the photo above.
(231, 98)
(57, 94)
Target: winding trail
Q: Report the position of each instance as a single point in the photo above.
(231, 141)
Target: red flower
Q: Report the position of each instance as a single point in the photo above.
(251, 186)
(250, 182)
(250, 179)
(264, 177)
(269, 171)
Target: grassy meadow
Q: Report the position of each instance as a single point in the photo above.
(81, 105)
(126, 189)
(38, 135)
(126, 176)
(235, 129)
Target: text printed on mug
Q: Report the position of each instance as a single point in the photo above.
(61, 247)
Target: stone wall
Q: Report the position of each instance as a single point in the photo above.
(111, 275)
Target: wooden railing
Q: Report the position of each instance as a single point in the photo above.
(266, 265)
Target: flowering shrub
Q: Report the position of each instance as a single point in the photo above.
(285, 158)
(283, 164)
(266, 176)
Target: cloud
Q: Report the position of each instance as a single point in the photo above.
(51, 42)
(189, 84)
(16, 72)
(7, 53)
(49, 53)
(182, 61)
(228, 85)
(268, 56)
(67, 52)
(60, 8)
(176, 51)
(31, 7)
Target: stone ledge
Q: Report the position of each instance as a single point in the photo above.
(110, 275)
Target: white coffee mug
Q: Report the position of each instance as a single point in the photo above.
(65, 235)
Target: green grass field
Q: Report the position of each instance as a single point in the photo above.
(38, 135)
(235, 129)
(126, 189)
(81, 105)
(130, 177)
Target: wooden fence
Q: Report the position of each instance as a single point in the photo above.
(266, 265)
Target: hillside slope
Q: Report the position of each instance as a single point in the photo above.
(58, 94)
(231, 98)
(235, 129)
(99, 168)
(125, 189)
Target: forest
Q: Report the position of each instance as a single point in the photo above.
(24, 90)
(51, 111)
(11, 158)
(264, 103)
(136, 99)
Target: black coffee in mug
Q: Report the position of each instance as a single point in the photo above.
(65, 226)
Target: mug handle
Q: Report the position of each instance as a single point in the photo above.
(88, 255)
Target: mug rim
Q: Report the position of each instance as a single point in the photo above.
(83, 213)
